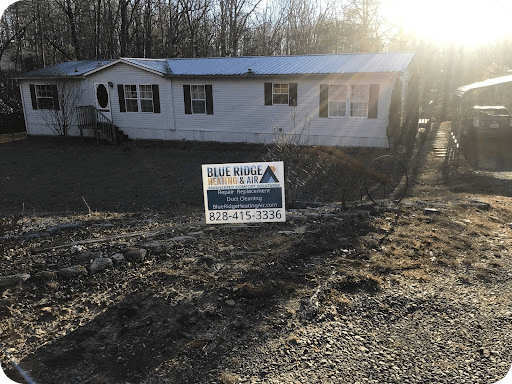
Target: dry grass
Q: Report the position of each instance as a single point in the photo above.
(228, 378)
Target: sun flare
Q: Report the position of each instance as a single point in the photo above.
(465, 22)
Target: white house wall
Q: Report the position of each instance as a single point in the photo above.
(37, 121)
(241, 116)
(239, 111)
(137, 125)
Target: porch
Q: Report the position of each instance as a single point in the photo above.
(89, 117)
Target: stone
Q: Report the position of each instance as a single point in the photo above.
(100, 264)
(71, 272)
(43, 277)
(87, 257)
(117, 259)
(136, 255)
(230, 302)
(11, 280)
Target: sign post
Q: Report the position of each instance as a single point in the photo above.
(244, 192)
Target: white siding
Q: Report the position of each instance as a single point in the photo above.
(241, 116)
(137, 125)
(239, 111)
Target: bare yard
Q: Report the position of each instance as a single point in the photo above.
(413, 293)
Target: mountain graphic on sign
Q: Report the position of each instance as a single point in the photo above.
(269, 176)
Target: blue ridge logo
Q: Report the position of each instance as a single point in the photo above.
(269, 176)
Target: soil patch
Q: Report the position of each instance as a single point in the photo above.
(416, 292)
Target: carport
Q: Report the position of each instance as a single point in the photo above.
(483, 122)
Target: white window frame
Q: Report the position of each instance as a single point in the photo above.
(129, 94)
(198, 99)
(338, 102)
(138, 98)
(359, 100)
(146, 98)
(279, 87)
(44, 96)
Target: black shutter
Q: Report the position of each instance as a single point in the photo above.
(293, 94)
(187, 99)
(373, 101)
(55, 95)
(122, 103)
(33, 96)
(268, 93)
(156, 98)
(324, 100)
(209, 99)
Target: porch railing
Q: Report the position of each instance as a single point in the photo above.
(89, 117)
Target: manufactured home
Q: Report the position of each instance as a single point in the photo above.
(339, 100)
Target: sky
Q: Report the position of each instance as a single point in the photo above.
(468, 22)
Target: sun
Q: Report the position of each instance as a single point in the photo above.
(466, 22)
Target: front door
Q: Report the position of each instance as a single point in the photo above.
(102, 97)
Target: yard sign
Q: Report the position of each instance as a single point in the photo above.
(244, 192)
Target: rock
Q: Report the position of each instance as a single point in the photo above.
(136, 255)
(230, 303)
(42, 277)
(58, 228)
(100, 264)
(118, 259)
(430, 211)
(89, 256)
(71, 272)
(11, 280)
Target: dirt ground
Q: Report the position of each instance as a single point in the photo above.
(183, 302)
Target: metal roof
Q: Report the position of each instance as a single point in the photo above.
(237, 66)
(68, 69)
(482, 84)
(292, 65)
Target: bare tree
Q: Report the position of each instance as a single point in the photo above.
(60, 116)
(365, 15)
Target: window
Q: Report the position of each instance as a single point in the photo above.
(44, 96)
(146, 98)
(280, 94)
(359, 100)
(130, 95)
(135, 98)
(198, 97)
(364, 100)
(337, 100)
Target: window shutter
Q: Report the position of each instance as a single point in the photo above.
(55, 96)
(324, 100)
(187, 99)
(293, 94)
(156, 98)
(209, 99)
(268, 93)
(373, 101)
(122, 103)
(33, 96)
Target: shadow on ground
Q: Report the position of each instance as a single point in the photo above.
(185, 315)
